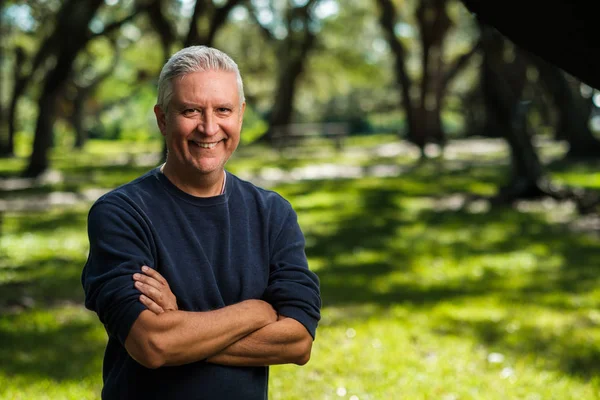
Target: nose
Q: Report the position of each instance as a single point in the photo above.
(208, 124)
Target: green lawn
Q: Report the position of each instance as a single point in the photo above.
(423, 299)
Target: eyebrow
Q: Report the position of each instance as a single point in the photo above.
(184, 105)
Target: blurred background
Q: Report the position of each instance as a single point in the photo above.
(446, 179)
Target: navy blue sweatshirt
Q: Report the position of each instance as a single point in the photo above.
(214, 252)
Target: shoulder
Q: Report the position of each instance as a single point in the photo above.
(137, 188)
(128, 197)
(249, 192)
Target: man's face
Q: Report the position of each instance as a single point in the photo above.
(203, 122)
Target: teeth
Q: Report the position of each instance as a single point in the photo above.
(207, 145)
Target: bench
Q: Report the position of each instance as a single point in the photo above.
(290, 135)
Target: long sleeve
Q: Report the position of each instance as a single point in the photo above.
(119, 245)
(293, 289)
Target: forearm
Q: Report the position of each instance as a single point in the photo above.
(285, 341)
(180, 337)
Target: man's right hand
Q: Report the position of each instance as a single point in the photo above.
(156, 293)
(158, 297)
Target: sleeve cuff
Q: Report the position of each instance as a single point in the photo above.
(299, 315)
(126, 320)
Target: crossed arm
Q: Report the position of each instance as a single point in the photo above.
(249, 333)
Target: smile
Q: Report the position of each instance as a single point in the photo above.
(211, 145)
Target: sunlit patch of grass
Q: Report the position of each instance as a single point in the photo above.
(584, 174)
(41, 257)
(579, 179)
(407, 353)
(53, 353)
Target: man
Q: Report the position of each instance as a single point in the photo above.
(228, 291)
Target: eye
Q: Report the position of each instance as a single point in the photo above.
(223, 110)
(190, 112)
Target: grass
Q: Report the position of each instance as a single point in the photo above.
(421, 300)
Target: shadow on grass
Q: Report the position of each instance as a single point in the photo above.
(49, 221)
(47, 282)
(520, 258)
(553, 349)
(376, 239)
(69, 351)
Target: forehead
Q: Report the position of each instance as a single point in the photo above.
(203, 86)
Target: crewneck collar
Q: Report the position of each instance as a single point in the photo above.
(199, 201)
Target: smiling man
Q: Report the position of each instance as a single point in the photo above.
(199, 277)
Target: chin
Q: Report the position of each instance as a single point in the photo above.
(208, 169)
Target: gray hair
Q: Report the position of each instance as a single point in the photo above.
(194, 59)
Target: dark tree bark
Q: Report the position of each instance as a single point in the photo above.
(21, 80)
(573, 112)
(434, 24)
(423, 114)
(292, 54)
(217, 18)
(503, 87)
(163, 27)
(387, 19)
(79, 100)
(72, 33)
(6, 149)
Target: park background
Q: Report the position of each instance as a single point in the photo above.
(454, 227)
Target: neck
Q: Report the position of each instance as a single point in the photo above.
(199, 185)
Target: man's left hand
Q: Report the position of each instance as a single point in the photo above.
(156, 293)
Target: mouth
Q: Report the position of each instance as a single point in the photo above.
(204, 145)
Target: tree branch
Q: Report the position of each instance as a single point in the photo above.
(193, 35)
(460, 63)
(219, 17)
(117, 24)
(268, 35)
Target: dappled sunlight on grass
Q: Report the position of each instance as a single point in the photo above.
(471, 285)
(53, 353)
(424, 296)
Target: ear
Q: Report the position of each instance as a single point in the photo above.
(242, 110)
(161, 119)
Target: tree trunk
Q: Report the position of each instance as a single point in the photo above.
(423, 116)
(72, 31)
(77, 120)
(387, 20)
(292, 55)
(503, 90)
(573, 112)
(5, 149)
(434, 24)
(163, 27)
(18, 90)
(287, 82)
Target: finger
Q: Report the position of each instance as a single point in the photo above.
(154, 274)
(150, 291)
(152, 306)
(148, 281)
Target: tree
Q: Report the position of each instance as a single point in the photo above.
(21, 76)
(572, 109)
(6, 148)
(69, 36)
(503, 85)
(423, 112)
(298, 28)
(79, 92)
